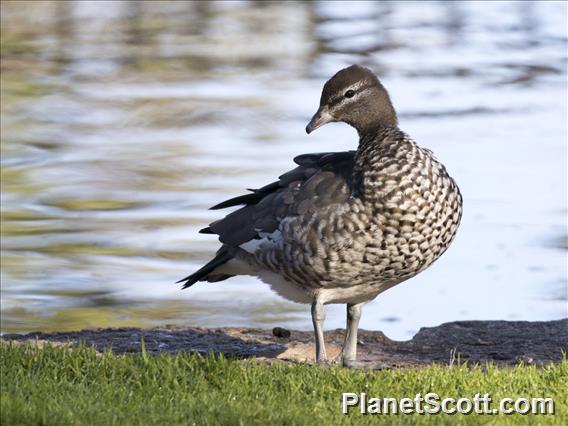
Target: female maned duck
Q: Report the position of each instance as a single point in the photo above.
(342, 227)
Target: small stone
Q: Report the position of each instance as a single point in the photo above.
(280, 332)
(524, 359)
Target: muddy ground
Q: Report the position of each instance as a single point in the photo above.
(503, 342)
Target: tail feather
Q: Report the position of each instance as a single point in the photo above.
(222, 257)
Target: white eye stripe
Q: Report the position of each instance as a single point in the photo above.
(355, 86)
(340, 98)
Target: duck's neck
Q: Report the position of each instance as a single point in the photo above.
(373, 152)
(373, 117)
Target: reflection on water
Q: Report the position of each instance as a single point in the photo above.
(122, 123)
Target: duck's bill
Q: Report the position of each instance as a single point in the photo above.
(321, 117)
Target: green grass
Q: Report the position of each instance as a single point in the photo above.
(76, 386)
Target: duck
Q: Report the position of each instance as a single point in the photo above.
(342, 227)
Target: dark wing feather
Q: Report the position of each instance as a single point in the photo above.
(319, 180)
(255, 197)
(223, 255)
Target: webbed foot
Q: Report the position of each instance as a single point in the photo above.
(364, 365)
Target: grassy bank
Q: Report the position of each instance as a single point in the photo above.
(63, 386)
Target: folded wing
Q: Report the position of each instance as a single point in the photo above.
(321, 179)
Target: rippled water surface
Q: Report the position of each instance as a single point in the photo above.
(122, 122)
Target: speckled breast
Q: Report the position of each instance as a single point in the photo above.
(416, 209)
(403, 214)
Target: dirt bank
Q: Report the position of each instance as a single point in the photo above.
(502, 342)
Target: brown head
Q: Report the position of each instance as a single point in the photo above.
(354, 96)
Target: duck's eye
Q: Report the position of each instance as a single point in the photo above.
(350, 93)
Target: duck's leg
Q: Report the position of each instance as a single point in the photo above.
(349, 352)
(318, 317)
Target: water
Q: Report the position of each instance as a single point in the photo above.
(123, 122)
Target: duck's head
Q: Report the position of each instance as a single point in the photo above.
(355, 96)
